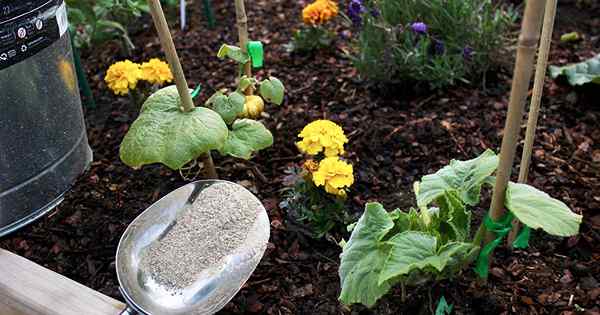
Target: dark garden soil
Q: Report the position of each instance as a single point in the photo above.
(395, 137)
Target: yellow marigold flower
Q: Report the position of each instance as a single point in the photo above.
(322, 135)
(319, 12)
(335, 174)
(123, 76)
(156, 71)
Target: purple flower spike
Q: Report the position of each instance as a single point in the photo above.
(355, 11)
(419, 27)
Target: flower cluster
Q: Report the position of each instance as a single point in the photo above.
(319, 12)
(322, 135)
(123, 76)
(332, 173)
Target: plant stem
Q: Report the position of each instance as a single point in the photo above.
(166, 41)
(242, 25)
(530, 30)
(207, 161)
(403, 288)
(479, 235)
(160, 22)
(536, 98)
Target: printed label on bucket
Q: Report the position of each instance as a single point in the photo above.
(61, 19)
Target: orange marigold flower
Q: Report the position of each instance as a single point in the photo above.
(319, 12)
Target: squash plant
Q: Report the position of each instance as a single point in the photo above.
(433, 242)
(165, 133)
(581, 73)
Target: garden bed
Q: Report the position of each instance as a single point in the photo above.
(395, 137)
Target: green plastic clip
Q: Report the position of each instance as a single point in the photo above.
(256, 53)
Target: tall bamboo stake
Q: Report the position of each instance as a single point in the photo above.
(536, 98)
(530, 32)
(242, 25)
(166, 41)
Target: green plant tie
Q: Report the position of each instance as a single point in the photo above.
(501, 228)
(196, 91)
(443, 308)
(522, 240)
(256, 53)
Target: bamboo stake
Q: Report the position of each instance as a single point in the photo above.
(242, 25)
(534, 108)
(530, 32)
(166, 41)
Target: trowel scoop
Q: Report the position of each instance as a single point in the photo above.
(213, 288)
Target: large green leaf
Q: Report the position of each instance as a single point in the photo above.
(272, 90)
(537, 209)
(414, 251)
(164, 134)
(463, 177)
(363, 258)
(246, 137)
(228, 106)
(410, 250)
(579, 73)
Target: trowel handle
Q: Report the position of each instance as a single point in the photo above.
(128, 311)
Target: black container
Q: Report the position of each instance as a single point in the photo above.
(43, 142)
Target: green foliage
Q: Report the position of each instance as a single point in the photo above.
(459, 43)
(272, 90)
(97, 21)
(164, 134)
(580, 73)
(234, 53)
(310, 38)
(529, 204)
(364, 257)
(434, 243)
(228, 106)
(245, 137)
(461, 177)
(304, 202)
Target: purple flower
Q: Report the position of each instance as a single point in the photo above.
(355, 11)
(419, 27)
(467, 52)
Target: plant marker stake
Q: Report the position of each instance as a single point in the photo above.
(242, 25)
(530, 32)
(160, 22)
(536, 98)
(182, 15)
(208, 13)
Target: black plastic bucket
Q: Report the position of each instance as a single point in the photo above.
(43, 142)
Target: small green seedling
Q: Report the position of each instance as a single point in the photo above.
(166, 133)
